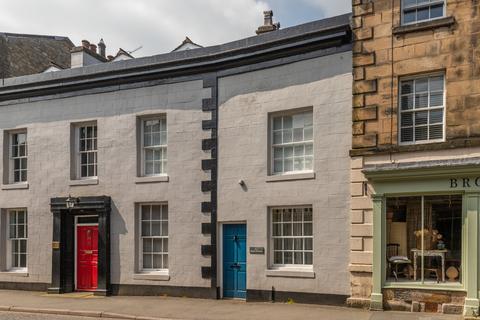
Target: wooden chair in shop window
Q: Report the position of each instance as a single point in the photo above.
(395, 261)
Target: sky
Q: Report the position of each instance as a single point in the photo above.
(157, 26)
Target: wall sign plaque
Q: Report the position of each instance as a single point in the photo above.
(257, 250)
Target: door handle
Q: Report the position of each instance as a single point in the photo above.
(88, 251)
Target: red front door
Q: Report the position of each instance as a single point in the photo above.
(87, 257)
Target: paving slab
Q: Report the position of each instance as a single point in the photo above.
(162, 307)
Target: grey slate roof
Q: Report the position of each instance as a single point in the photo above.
(235, 49)
(24, 54)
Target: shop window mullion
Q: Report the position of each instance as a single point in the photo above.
(422, 262)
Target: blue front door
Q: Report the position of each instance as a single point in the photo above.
(234, 260)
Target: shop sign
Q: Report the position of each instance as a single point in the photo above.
(456, 183)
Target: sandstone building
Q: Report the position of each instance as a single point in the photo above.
(415, 154)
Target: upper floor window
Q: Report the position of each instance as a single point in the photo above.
(86, 150)
(414, 11)
(18, 157)
(154, 146)
(292, 143)
(422, 104)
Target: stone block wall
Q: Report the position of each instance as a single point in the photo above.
(384, 51)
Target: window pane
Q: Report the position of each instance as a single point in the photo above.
(277, 123)
(277, 137)
(436, 99)
(407, 119)
(423, 14)
(407, 102)
(421, 118)
(406, 134)
(436, 116)
(147, 261)
(308, 258)
(407, 3)
(288, 257)
(421, 133)
(145, 228)
(156, 212)
(287, 136)
(156, 225)
(287, 122)
(421, 101)
(407, 87)
(436, 83)
(157, 261)
(409, 16)
(436, 132)
(147, 245)
(421, 85)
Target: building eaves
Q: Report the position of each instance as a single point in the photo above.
(324, 33)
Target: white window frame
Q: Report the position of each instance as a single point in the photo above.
(143, 148)
(78, 153)
(9, 252)
(400, 112)
(417, 6)
(272, 146)
(12, 159)
(271, 237)
(141, 237)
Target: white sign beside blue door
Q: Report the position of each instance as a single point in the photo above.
(234, 260)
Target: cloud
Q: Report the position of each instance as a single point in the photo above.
(157, 25)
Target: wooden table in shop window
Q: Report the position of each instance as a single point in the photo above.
(428, 253)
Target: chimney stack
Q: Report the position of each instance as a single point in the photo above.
(86, 44)
(268, 24)
(101, 48)
(93, 47)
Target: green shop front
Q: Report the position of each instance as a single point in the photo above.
(425, 235)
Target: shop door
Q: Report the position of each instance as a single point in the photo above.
(87, 257)
(234, 261)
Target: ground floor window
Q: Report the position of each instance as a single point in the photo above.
(292, 236)
(154, 237)
(17, 238)
(424, 239)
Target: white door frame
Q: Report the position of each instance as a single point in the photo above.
(76, 224)
(220, 252)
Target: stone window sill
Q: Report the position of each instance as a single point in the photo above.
(15, 186)
(427, 25)
(290, 273)
(84, 182)
(153, 179)
(152, 276)
(14, 273)
(291, 177)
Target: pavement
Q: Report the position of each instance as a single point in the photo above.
(39, 305)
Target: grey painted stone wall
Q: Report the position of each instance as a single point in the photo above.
(48, 124)
(245, 103)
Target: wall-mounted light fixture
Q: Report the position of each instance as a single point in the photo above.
(71, 202)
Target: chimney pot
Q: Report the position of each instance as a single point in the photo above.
(86, 44)
(268, 24)
(101, 48)
(268, 18)
(93, 47)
